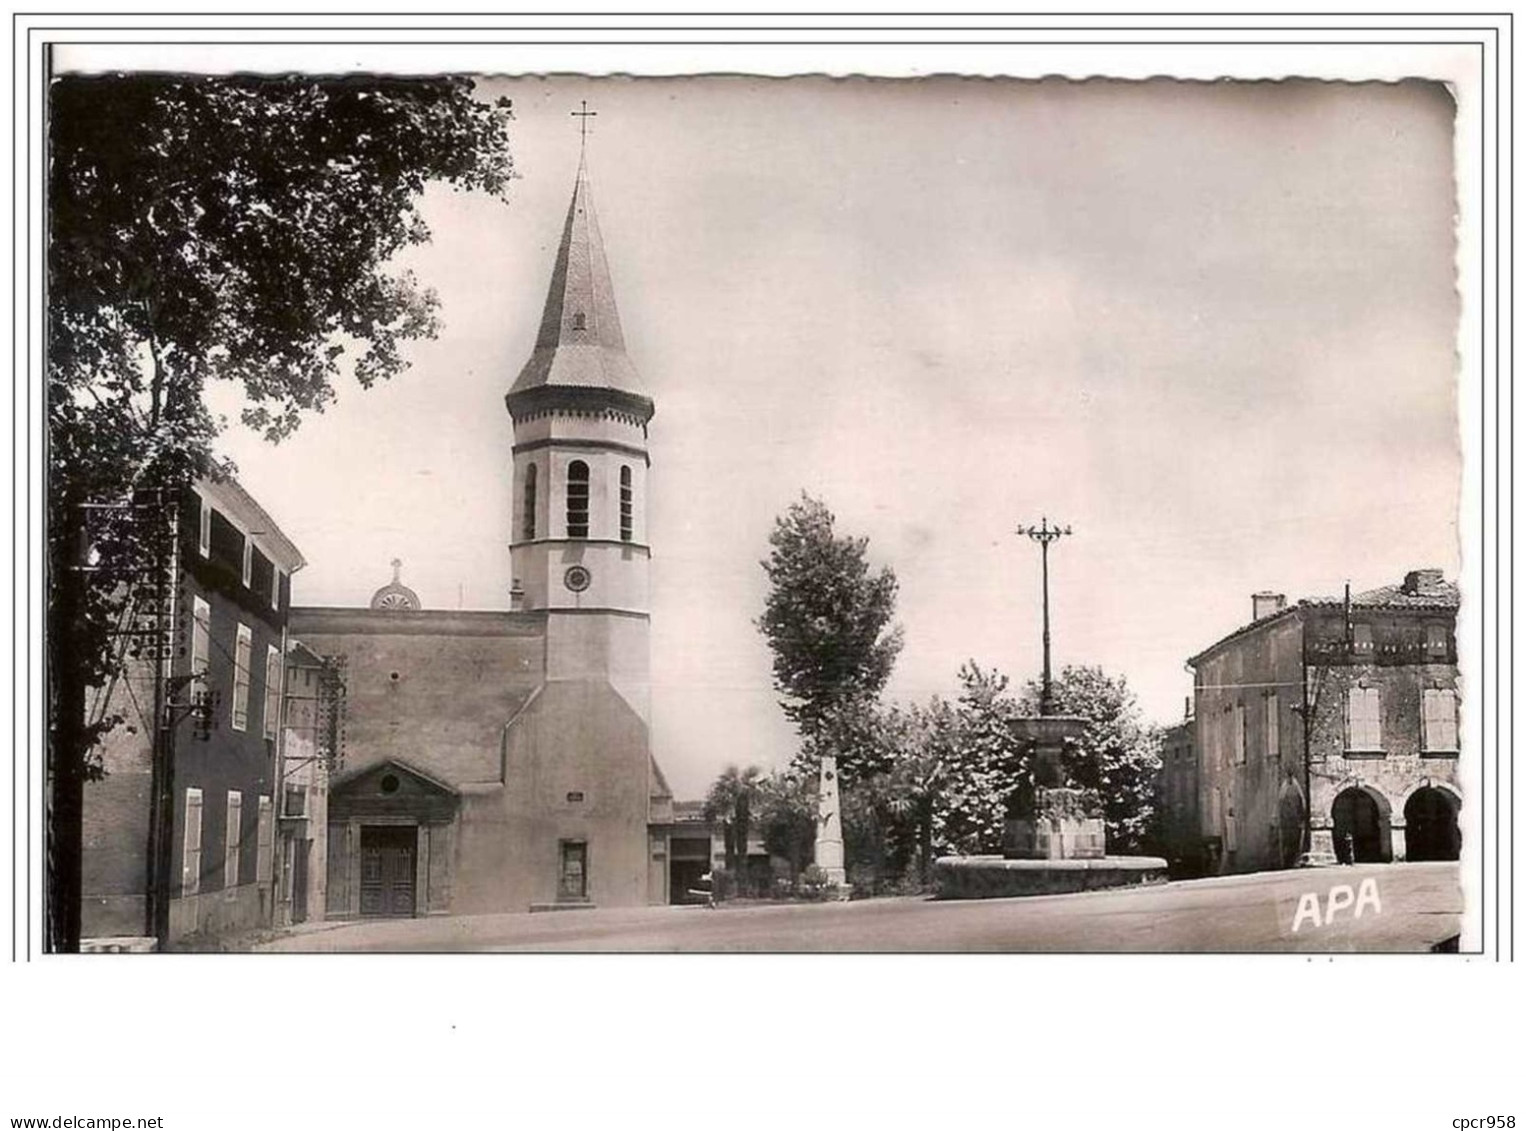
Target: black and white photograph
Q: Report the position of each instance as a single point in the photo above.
(904, 495)
(495, 508)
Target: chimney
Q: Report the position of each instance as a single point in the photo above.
(1423, 582)
(1265, 604)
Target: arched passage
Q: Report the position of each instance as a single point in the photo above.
(1430, 820)
(1290, 814)
(1361, 831)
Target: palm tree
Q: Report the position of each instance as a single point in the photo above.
(730, 802)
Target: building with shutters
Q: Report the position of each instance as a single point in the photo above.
(1331, 726)
(499, 760)
(1178, 795)
(208, 776)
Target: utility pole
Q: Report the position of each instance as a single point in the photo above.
(1045, 535)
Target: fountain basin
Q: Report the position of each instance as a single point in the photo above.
(996, 877)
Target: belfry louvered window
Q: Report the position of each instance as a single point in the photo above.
(627, 505)
(577, 499)
(529, 515)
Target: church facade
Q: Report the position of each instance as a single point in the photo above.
(501, 760)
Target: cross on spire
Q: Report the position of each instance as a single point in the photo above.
(582, 116)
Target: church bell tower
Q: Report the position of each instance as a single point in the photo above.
(579, 543)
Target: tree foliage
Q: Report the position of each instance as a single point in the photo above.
(954, 768)
(201, 229)
(787, 807)
(984, 762)
(828, 620)
(240, 228)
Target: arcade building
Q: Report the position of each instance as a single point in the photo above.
(1331, 727)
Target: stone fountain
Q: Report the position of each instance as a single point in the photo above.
(1054, 839)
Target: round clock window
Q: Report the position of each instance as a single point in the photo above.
(577, 578)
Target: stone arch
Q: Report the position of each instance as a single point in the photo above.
(1360, 818)
(1291, 811)
(1431, 829)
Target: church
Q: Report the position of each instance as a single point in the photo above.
(501, 760)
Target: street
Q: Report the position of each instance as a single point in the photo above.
(1387, 907)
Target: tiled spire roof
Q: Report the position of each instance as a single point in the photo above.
(580, 344)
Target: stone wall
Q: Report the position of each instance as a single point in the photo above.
(432, 688)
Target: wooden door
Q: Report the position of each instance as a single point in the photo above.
(299, 850)
(387, 856)
(574, 877)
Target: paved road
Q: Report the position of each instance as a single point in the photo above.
(1417, 905)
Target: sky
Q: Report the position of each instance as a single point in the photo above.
(1210, 326)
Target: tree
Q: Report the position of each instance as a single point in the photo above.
(787, 808)
(985, 762)
(917, 779)
(730, 802)
(828, 620)
(203, 229)
(1118, 754)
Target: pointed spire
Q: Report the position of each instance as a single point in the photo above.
(580, 344)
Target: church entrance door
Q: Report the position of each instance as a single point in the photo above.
(387, 862)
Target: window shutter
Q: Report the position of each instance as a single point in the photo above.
(1364, 729)
(190, 862)
(1439, 720)
(272, 690)
(204, 533)
(262, 859)
(1273, 727)
(201, 645)
(241, 678)
(232, 833)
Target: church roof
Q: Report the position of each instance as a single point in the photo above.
(580, 344)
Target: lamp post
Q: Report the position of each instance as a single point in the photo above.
(1045, 535)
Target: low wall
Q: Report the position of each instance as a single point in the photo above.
(995, 877)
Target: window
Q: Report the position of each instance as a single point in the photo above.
(1361, 637)
(262, 575)
(1436, 639)
(1364, 712)
(577, 499)
(248, 566)
(1438, 730)
(275, 589)
(1273, 727)
(1238, 737)
(201, 646)
(264, 843)
(580, 321)
(528, 522)
(272, 690)
(231, 837)
(204, 537)
(296, 801)
(190, 857)
(627, 505)
(241, 678)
